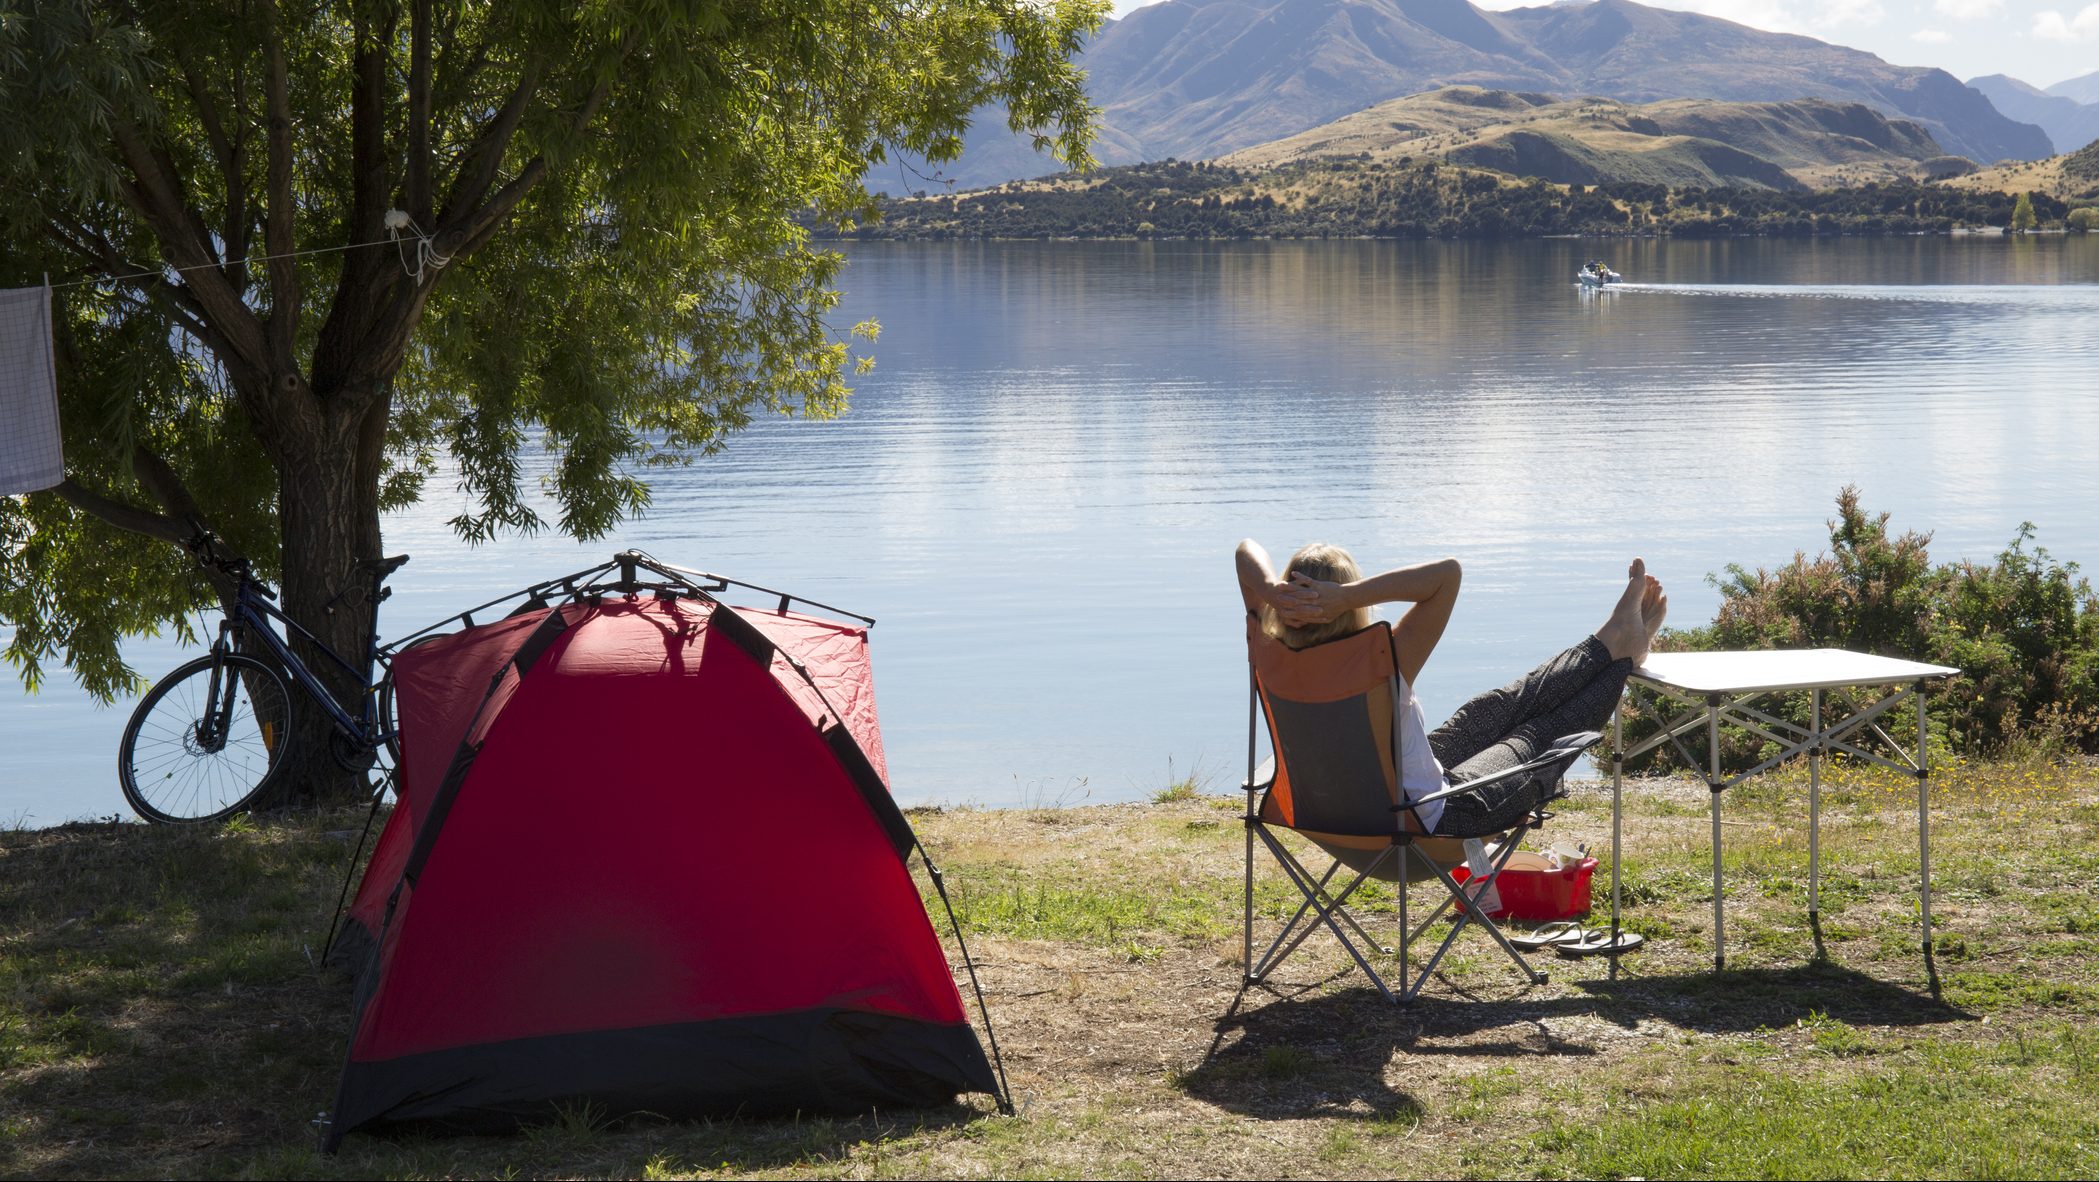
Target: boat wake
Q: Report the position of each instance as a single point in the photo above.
(2078, 295)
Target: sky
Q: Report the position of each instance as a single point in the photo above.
(2041, 42)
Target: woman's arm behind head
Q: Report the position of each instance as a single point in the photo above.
(1430, 587)
(1418, 631)
(1256, 575)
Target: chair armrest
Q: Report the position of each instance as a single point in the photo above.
(1263, 776)
(1564, 751)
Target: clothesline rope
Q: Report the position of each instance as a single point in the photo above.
(424, 251)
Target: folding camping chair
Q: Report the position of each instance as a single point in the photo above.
(1333, 780)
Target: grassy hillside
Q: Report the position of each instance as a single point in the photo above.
(1680, 143)
(2072, 177)
(160, 1014)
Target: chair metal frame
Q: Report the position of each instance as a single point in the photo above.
(1323, 907)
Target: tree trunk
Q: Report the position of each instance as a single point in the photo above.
(329, 510)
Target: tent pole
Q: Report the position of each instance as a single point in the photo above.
(998, 1062)
(350, 870)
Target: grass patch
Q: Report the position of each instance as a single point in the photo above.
(1759, 1120)
(160, 1015)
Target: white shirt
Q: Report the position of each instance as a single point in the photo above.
(1419, 772)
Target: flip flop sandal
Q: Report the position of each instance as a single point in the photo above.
(1598, 942)
(1557, 934)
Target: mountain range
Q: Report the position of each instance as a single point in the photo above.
(1680, 143)
(1194, 79)
(2069, 122)
(2081, 90)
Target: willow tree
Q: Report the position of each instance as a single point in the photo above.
(604, 251)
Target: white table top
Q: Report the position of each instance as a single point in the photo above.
(1781, 669)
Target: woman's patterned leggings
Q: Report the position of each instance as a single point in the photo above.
(1501, 729)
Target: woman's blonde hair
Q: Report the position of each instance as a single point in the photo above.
(1329, 564)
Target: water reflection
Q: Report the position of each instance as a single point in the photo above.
(1039, 487)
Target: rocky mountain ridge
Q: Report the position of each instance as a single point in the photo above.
(1194, 79)
(1677, 142)
(2070, 124)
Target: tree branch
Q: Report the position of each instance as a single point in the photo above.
(101, 254)
(368, 281)
(419, 97)
(234, 231)
(476, 229)
(166, 487)
(477, 171)
(157, 196)
(278, 233)
(462, 231)
(119, 514)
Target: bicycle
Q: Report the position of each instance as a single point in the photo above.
(210, 739)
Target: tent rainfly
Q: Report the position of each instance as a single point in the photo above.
(645, 858)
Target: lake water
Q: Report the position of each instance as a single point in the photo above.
(1038, 490)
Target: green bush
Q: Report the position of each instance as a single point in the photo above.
(2084, 218)
(2023, 630)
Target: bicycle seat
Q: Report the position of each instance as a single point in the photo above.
(383, 566)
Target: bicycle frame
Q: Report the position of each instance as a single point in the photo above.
(254, 614)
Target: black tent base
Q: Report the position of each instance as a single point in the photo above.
(813, 1062)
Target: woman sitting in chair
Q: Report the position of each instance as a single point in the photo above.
(1323, 595)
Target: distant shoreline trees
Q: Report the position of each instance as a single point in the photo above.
(1428, 199)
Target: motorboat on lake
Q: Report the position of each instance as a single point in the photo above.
(1595, 274)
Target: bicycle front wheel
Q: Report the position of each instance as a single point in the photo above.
(207, 741)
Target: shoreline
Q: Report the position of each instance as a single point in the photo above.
(1953, 232)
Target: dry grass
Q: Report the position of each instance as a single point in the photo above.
(2022, 176)
(158, 1014)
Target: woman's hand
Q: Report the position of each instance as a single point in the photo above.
(1302, 601)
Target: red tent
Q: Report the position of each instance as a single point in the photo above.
(645, 857)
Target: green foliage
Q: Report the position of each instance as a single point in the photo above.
(2084, 218)
(2023, 217)
(2023, 630)
(616, 269)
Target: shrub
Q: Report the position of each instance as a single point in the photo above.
(2023, 630)
(2084, 218)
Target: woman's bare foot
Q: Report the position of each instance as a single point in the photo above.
(1625, 634)
(1654, 607)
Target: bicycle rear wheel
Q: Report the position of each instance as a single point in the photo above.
(389, 722)
(207, 741)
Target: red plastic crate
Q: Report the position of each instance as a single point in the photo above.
(1538, 895)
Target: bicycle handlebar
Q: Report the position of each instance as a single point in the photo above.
(203, 544)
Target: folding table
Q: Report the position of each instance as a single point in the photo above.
(1691, 690)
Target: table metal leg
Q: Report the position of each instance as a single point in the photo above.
(1814, 812)
(1712, 731)
(1617, 817)
(1924, 820)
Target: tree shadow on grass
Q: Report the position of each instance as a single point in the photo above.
(162, 1014)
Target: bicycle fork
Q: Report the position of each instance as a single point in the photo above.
(215, 721)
